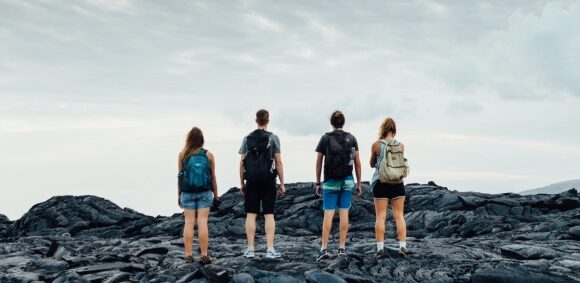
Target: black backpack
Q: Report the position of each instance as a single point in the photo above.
(337, 156)
(259, 160)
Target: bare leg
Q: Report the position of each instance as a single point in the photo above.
(188, 231)
(343, 213)
(202, 231)
(398, 209)
(326, 227)
(270, 230)
(381, 217)
(250, 229)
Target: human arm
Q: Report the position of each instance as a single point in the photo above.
(179, 168)
(242, 184)
(214, 186)
(375, 151)
(319, 159)
(280, 170)
(358, 171)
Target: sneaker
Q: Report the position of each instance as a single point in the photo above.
(324, 254)
(273, 254)
(189, 259)
(206, 259)
(403, 251)
(342, 252)
(249, 253)
(380, 254)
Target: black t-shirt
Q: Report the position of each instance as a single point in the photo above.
(322, 146)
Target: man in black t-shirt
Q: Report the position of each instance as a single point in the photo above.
(339, 151)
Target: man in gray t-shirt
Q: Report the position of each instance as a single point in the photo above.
(259, 194)
(275, 144)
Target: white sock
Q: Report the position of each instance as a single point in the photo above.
(251, 248)
(322, 248)
(402, 244)
(380, 246)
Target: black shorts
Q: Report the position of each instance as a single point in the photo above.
(260, 193)
(388, 191)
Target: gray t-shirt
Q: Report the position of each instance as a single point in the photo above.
(275, 144)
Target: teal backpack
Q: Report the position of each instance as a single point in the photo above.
(195, 176)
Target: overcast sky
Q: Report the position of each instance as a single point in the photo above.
(96, 96)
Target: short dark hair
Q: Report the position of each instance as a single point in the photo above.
(262, 117)
(337, 119)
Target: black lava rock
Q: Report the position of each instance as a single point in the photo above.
(452, 237)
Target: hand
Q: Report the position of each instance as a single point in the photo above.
(243, 189)
(215, 205)
(358, 190)
(282, 190)
(317, 192)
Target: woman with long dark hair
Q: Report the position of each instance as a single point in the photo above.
(197, 188)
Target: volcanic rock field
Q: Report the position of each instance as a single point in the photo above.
(452, 237)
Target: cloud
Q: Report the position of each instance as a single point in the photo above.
(464, 107)
(132, 77)
(262, 22)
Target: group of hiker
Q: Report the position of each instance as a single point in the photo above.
(260, 166)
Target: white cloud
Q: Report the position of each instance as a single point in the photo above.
(262, 22)
(128, 79)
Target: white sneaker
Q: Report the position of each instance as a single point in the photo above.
(273, 254)
(249, 253)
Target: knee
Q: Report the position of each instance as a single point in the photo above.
(399, 217)
(381, 218)
(189, 222)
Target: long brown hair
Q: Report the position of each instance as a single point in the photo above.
(193, 141)
(388, 126)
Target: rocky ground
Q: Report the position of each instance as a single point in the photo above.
(453, 237)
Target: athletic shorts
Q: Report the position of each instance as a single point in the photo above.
(260, 195)
(195, 201)
(388, 191)
(337, 194)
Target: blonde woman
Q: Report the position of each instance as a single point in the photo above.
(385, 192)
(197, 188)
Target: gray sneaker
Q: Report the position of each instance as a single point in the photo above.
(324, 254)
(249, 253)
(380, 254)
(342, 252)
(403, 251)
(273, 254)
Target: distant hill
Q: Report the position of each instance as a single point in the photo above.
(554, 188)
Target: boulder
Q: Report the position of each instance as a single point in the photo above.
(528, 252)
(575, 231)
(73, 214)
(319, 276)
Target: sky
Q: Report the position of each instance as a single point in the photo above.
(97, 96)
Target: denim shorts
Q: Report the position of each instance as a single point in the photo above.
(337, 193)
(195, 201)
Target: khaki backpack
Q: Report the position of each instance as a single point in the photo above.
(393, 167)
